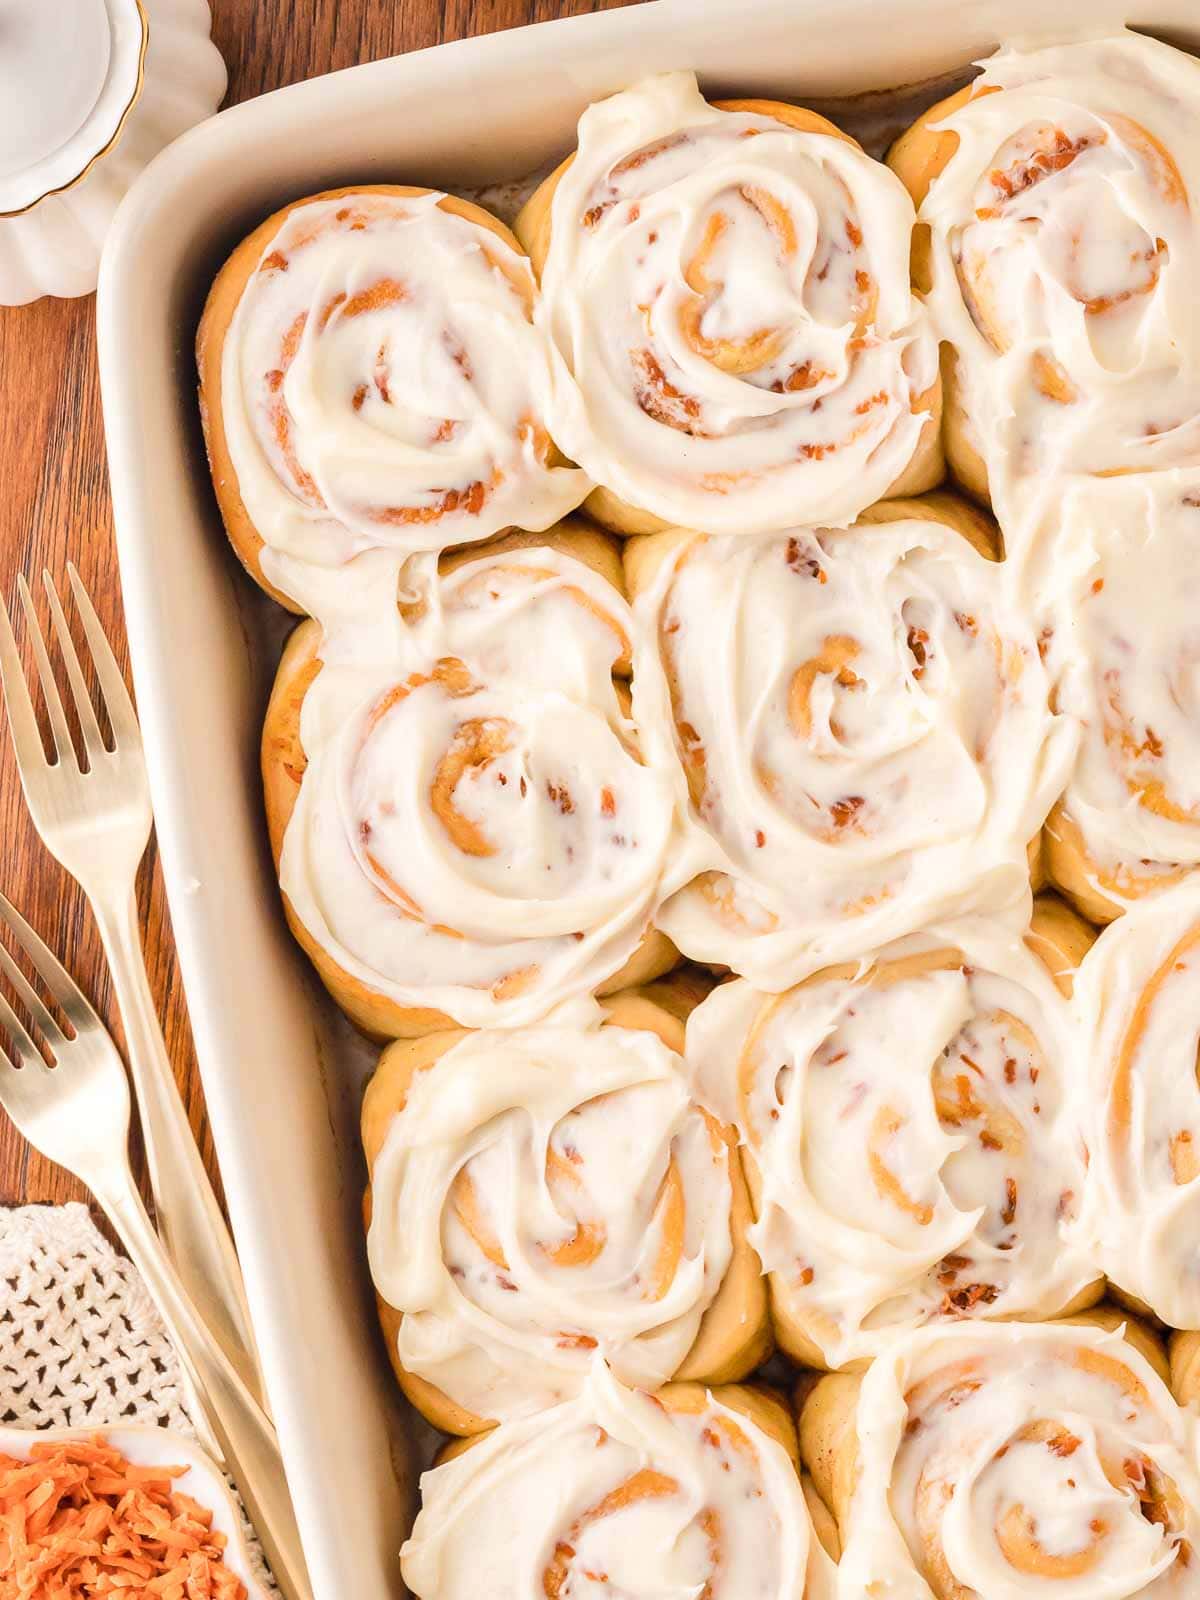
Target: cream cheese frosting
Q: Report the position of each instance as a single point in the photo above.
(475, 830)
(546, 1193)
(1125, 603)
(1064, 259)
(1138, 1013)
(912, 1129)
(383, 387)
(860, 726)
(1013, 1462)
(737, 344)
(616, 1493)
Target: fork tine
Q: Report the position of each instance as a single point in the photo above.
(117, 700)
(63, 747)
(50, 969)
(90, 728)
(27, 1053)
(38, 1010)
(22, 720)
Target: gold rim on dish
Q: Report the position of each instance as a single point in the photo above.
(117, 131)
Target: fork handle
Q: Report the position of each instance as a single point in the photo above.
(189, 1218)
(246, 1437)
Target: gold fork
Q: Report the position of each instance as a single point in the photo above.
(95, 818)
(69, 1097)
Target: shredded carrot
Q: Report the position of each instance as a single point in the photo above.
(78, 1520)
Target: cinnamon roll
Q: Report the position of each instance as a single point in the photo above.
(1138, 1000)
(1057, 246)
(371, 381)
(546, 1193)
(912, 1140)
(1128, 604)
(860, 728)
(737, 345)
(464, 826)
(686, 1492)
(974, 1462)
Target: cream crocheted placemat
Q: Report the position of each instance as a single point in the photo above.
(81, 1344)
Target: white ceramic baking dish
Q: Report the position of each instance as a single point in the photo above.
(282, 1087)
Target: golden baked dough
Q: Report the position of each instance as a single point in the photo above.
(872, 1215)
(692, 1483)
(866, 737)
(934, 1444)
(285, 763)
(732, 1336)
(427, 500)
(749, 356)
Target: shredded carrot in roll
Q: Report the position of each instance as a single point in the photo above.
(78, 1520)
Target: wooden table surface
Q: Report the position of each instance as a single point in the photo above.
(56, 504)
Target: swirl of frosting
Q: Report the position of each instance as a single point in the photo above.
(619, 1492)
(911, 1129)
(545, 1193)
(467, 830)
(1005, 1462)
(862, 720)
(1129, 635)
(381, 385)
(728, 295)
(1057, 240)
(1138, 998)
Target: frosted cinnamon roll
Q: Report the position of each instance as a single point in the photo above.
(912, 1140)
(547, 1193)
(727, 288)
(1138, 998)
(371, 380)
(1057, 245)
(1129, 639)
(860, 726)
(464, 826)
(680, 1493)
(980, 1462)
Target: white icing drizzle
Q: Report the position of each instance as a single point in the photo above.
(864, 722)
(613, 1494)
(1126, 608)
(543, 1194)
(1064, 254)
(738, 344)
(475, 831)
(1138, 1003)
(913, 1123)
(383, 387)
(1010, 1462)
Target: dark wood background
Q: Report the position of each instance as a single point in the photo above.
(55, 505)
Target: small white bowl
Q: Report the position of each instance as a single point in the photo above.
(157, 1447)
(104, 85)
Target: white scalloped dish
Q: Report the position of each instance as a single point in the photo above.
(104, 86)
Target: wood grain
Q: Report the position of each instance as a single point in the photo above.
(56, 507)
